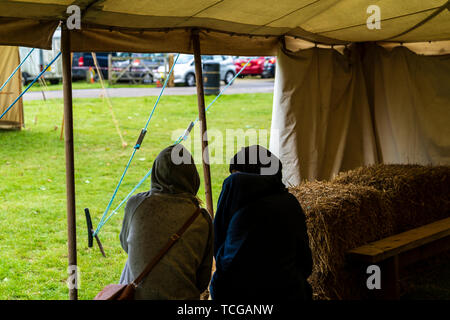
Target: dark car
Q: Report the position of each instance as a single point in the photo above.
(269, 67)
(82, 61)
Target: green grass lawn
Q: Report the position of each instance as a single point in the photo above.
(33, 231)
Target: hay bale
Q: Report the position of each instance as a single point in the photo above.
(340, 217)
(365, 205)
(419, 194)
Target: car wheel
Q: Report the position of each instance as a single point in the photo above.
(148, 78)
(54, 81)
(190, 80)
(24, 79)
(229, 77)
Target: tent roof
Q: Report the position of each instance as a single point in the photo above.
(234, 26)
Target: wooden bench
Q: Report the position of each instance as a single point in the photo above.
(394, 253)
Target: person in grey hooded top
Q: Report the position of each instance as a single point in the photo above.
(152, 217)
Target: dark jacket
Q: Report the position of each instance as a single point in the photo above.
(261, 243)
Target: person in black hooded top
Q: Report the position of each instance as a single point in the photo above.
(261, 244)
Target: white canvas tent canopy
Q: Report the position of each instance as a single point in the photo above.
(327, 106)
(235, 27)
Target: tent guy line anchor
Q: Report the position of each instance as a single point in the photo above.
(91, 235)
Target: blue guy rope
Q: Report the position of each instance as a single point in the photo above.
(179, 140)
(15, 70)
(136, 147)
(31, 84)
(124, 200)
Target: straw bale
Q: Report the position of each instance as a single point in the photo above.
(339, 218)
(419, 194)
(365, 205)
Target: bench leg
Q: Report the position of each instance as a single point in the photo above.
(389, 279)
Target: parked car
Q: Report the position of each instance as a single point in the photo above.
(255, 67)
(140, 66)
(82, 61)
(259, 66)
(39, 59)
(269, 67)
(184, 70)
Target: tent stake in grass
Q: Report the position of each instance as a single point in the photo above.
(90, 230)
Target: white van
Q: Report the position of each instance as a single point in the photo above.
(37, 61)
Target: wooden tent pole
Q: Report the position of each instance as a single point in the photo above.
(202, 118)
(70, 180)
(62, 121)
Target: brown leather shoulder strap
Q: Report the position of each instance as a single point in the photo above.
(174, 238)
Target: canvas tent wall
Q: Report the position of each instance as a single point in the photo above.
(334, 112)
(9, 60)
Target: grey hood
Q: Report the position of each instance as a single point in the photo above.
(167, 178)
(171, 176)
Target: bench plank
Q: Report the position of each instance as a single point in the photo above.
(396, 244)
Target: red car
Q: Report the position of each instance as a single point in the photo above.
(259, 66)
